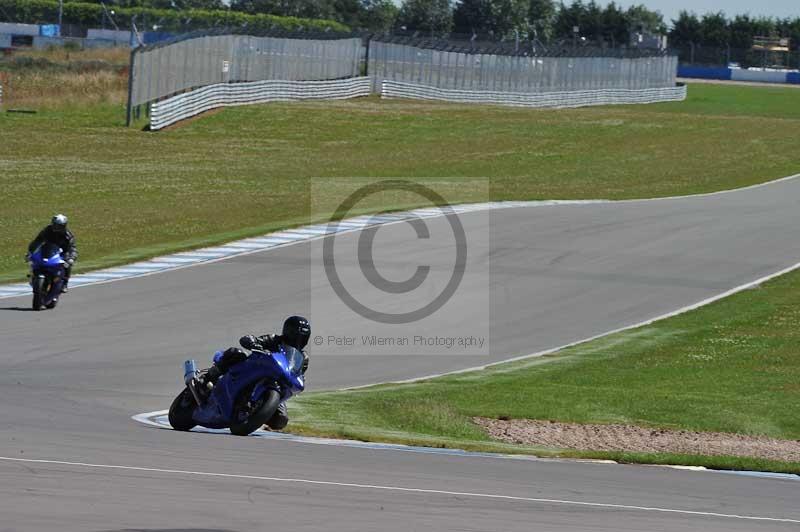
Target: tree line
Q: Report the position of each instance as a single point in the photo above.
(545, 20)
(718, 31)
(611, 25)
(93, 15)
(373, 15)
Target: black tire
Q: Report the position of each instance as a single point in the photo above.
(181, 410)
(249, 417)
(38, 288)
(51, 293)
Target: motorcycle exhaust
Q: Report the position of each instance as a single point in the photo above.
(189, 375)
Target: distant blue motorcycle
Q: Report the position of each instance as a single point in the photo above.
(245, 397)
(47, 275)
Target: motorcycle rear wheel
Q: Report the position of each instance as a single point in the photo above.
(249, 417)
(181, 410)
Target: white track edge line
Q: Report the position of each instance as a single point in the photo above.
(707, 194)
(464, 208)
(377, 487)
(148, 418)
(483, 207)
(552, 350)
(162, 267)
(159, 268)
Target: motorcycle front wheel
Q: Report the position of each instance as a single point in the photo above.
(37, 284)
(181, 410)
(249, 416)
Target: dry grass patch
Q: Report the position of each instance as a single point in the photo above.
(632, 438)
(58, 77)
(63, 55)
(43, 89)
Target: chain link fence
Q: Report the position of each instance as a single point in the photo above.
(166, 69)
(468, 69)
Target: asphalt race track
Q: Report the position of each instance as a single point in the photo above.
(71, 458)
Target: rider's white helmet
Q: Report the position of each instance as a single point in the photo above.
(59, 220)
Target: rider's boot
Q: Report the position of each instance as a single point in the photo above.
(67, 275)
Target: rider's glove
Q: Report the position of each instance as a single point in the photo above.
(70, 261)
(28, 257)
(305, 363)
(249, 342)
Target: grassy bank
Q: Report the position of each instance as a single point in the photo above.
(133, 194)
(55, 78)
(733, 366)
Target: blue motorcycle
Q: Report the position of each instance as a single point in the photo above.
(47, 275)
(245, 397)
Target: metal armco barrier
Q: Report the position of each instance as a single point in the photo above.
(395, 89)
(162, 70)
(189, 104)
(517, 74)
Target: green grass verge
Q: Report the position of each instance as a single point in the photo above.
(132, 194)
(732, 366)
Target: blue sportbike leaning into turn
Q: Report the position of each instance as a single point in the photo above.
(47, 275)
(245, 397)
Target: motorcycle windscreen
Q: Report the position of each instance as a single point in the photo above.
(295, 359)
(50, 251)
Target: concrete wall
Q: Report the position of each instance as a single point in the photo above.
(19, 29)
(40, 41)
(764, 76)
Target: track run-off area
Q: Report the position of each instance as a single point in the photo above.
(71, 457)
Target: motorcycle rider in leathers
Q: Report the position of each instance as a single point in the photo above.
(296, 332)
(58, 234)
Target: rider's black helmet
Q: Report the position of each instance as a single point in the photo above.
(296, 332)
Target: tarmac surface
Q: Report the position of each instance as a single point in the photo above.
(536, 278)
